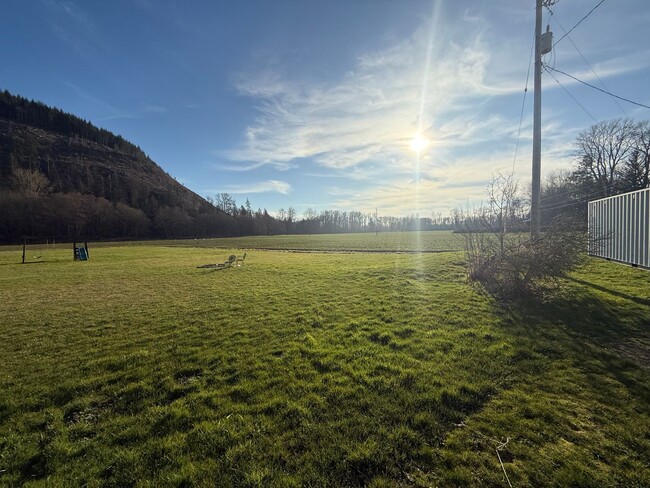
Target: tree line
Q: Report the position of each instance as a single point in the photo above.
(42, 196)
(29, 209)
(288, 221)
(609, 158)
(37, 114)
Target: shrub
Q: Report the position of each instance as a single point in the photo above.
(523, 265)
(515, 264)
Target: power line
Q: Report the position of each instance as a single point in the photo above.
(523, 105)
(548, 70)
(579, 22)
(571, 192)
(566, 34)
(582, 199)
(599, 89)
(572, 204)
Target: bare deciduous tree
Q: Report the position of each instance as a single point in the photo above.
(30, 181)
(603, 149)
(226, 203)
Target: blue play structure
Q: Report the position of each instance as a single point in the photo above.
(80, 253)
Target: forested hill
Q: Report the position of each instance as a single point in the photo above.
(62, 176)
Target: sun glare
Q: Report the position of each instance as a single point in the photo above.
(419, 143)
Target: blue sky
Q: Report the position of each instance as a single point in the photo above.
(316, 103)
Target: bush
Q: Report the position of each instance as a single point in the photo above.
(513, 264)
(523, 265)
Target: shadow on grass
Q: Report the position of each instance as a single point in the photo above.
(600, 335)
(620, 294)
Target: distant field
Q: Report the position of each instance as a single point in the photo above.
(429, 241)
(316, 369)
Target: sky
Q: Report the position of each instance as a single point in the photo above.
(405, 106)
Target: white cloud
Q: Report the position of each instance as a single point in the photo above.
(269, 186)
(360, 125)
(373, 111)
(154, 109)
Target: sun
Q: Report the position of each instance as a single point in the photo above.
(419, 143)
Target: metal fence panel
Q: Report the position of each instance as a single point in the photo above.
(619, 228)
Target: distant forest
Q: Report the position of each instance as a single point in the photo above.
(37, 114)
(62, 177)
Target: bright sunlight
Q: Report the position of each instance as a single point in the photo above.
(419, 143)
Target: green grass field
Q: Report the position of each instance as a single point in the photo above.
(430, 241)
(316, 369)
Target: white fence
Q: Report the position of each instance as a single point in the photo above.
(619, 228)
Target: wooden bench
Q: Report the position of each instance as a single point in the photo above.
(226, 264)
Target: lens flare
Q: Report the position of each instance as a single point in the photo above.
(419, 144)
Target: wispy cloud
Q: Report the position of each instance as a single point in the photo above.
(75, 28)
(154, 109)
(360, 125)
(269, 186)
(110, 112)
(80, 92)
(372, 112)
(240, 166)
(78, 16)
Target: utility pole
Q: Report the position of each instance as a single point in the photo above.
(542, 46)
(376, 226)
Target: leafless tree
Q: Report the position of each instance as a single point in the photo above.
(226, 203)
(30, 181)
(602, 150)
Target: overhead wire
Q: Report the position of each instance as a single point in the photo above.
(570, 192)
(523, 105)
(548, 70)
(566, 34)
(583, 199)
(599, 89)
(579, 22)
(572, 204)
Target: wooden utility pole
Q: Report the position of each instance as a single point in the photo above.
(376, 226)
(537, 116)
(537, 126)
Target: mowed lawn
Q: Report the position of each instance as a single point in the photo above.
(319, 369)
(428, 241)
